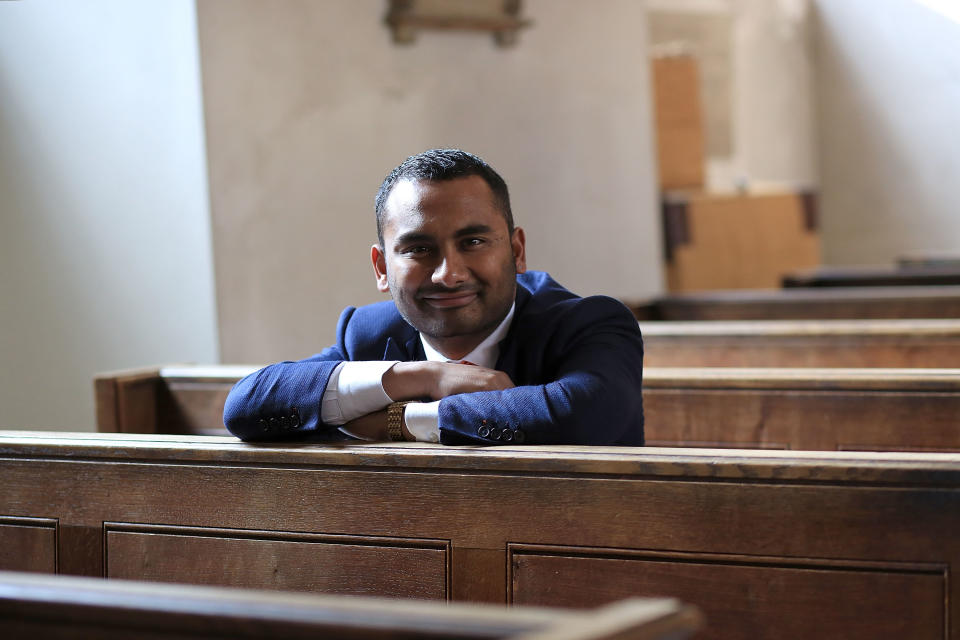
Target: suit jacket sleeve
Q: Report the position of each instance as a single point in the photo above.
(583, 364)
(282, 401)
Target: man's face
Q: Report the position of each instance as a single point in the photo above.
(448, 260)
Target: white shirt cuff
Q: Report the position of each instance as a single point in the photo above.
(354, 389)
(423, 420)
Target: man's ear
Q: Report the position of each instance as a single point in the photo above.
(519, 245)
(380, 268)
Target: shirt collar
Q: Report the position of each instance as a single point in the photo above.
(484, 354)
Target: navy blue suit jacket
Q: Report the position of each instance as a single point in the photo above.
(577, 363)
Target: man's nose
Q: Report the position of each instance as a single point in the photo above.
(451, 271)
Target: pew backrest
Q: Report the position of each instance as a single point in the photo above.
(875, 276)
(781, 408)
(804, 343)
(39, 606)
(765, 543)
(805, 304)
(804, 408)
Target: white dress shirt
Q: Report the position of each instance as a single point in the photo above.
(356, 388)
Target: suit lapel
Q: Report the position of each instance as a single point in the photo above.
(509, 346)
(404, 350)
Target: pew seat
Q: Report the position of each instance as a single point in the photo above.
(36, 606)
(767, 544)
(804, 304)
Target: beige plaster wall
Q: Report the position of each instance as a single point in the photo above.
(105, 256)
(309, 104)
(888, 76)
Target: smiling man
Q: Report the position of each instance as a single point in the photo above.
(473, 348)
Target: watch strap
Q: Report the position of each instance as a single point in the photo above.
(395, 420)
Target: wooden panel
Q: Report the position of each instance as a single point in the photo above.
(127, 401)
(195, 406)
(747, 597)
(275, 560)
(28, 544)
(59, 607)
(807, 409)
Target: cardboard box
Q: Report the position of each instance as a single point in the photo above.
(678, 119)
(738, 241)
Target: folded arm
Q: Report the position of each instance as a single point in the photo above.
(590, 394)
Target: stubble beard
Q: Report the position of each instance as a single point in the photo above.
(439, 323)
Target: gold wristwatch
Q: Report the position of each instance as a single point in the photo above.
(395, 420)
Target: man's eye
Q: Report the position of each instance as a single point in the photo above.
(416, 250)
(474, 242)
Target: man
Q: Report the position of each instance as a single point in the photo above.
(473, 349)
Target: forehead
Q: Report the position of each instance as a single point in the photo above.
(433, 206)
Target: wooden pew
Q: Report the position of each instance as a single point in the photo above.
(176, 399)
(803, 343)
(765, 543)
(33, 606)
(798, 408)
(804, 409)
(875, 276)
(805, 304)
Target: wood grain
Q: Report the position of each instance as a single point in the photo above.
(810, 409)
(77, 608)
(28, 544)
(798, 601)
(766, 524)
(269, 560)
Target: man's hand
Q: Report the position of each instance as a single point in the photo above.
(437, 380)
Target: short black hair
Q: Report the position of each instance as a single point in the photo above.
(444, 164)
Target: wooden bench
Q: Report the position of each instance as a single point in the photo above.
(34, 606)
(800, 408)
(805, 304)
(804, 409)
(875, 276)
(766, 544)
(803, 343)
